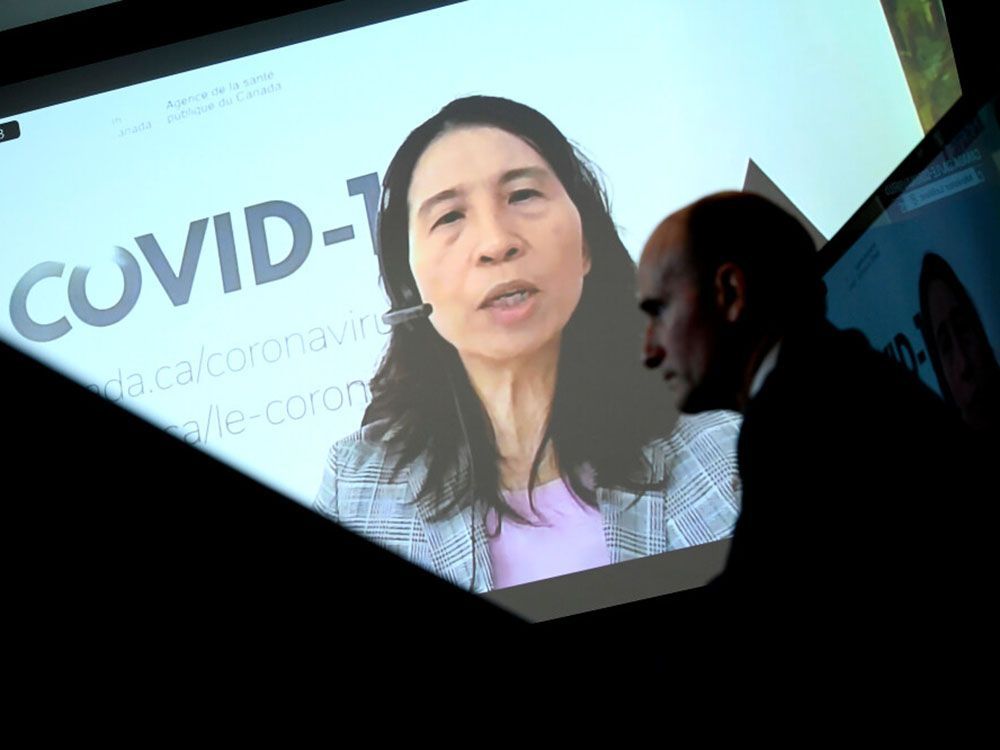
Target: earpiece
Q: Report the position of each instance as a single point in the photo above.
(407, 314)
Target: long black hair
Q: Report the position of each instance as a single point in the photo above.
(605, 407)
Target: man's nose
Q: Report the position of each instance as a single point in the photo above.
(653, 354)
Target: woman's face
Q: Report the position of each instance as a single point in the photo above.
(496, 244)
(965, 359)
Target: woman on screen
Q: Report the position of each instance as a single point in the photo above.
(512, 433)
(966, 368)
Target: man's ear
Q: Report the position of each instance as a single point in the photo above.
(730, 291)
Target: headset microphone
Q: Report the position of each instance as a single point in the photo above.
(407, 314)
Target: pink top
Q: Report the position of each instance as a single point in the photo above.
(566, 535)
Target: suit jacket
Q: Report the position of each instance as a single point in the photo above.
(856, 482)
(698, 501)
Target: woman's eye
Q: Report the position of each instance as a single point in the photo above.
(449, 218)
(519, 196)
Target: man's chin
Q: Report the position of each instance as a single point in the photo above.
(698, 400)
(690, 403)
(687, 407)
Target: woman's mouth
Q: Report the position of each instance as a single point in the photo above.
(510, 302)
(511, 299)
(508, 295)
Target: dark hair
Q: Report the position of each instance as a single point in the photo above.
(785, 288)
(602, 412)
(935, 268)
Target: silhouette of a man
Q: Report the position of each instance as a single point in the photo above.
(856, 483)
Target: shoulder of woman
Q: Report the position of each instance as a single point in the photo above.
(367, 447)
(363, 476)
(701, 448)
(705, 435)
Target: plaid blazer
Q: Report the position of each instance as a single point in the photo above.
(698, 502)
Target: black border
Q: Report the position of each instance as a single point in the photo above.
(188, 35)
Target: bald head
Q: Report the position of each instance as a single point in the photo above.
(718, 279)
(664, 256)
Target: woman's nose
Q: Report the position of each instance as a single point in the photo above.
(497, 244)
(499, 255)
(963, 361)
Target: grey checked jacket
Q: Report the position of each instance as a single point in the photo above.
(698, 503)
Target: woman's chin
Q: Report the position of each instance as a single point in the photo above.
(511, 345)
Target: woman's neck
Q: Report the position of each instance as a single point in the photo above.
(517, 395)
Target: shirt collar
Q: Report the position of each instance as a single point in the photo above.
(764, 369)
